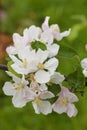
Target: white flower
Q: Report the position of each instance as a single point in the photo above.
(41, 105)
(84, 66)
(52, 32)
(26, 63)
(19, 90)
(32, 61)
(65, 102)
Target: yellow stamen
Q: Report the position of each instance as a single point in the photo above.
(18, 87)
(64, 101)
(54, 28)
(24, 62)
(31, 77)
(37, 101)
(41, 66)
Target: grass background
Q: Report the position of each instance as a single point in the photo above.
(16, 15)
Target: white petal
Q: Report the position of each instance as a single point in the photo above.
(45, 25)
(46, 95)
(51, 65)
(71, 110)
(17, 38)
(32, 33)
(42, 55)
(14, 59)
(57, 78)
(18, 99)
(11, 50)
(45, 107)
(84, 63)
(47, 37)
(65, 33)
(57, 107)
(15, 78)
(8, 89)
(53, 50)
(19, 69)
(42, 76)
(43, 87)
(36, 108)
(85, 72)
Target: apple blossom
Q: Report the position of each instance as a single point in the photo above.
(52, 32)
(19, 90)
(65, 102)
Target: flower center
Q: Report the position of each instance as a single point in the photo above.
(64, 101)
(41, 66)
(31, 77)
(18, 87)
(24, 62)
(54, 28)
(37, 101)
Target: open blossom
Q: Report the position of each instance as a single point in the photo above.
(41, 105)
(84, 66)
(65, 102)
(52, 32)
(32, 61)
(19, 90)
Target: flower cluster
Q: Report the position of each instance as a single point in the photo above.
(33, 66)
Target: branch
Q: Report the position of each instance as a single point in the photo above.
(3, 67)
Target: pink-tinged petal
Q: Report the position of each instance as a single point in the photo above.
(47, 37)
(59, 108)
(18, 99)
(72, 97)
(46, 95)
(36, 108)
(45, 25)
(65, 33)
(42, 76)
(45, 107)
(29, 94)
(51, 64)
(42, 55)
(71, 110)
(8, 89)
(57, 78)
(64, 91)
(67, 94)
(53, 50)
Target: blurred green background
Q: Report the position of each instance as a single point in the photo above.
(15, 15)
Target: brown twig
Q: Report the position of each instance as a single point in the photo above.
(3, 67)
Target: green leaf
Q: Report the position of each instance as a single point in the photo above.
(76, 80)
(11, 70)
(37, 44)
(66, 51)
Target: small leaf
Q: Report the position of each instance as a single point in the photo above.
(37, 44)
(76, 80)
(66, 51)
(11, 70)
